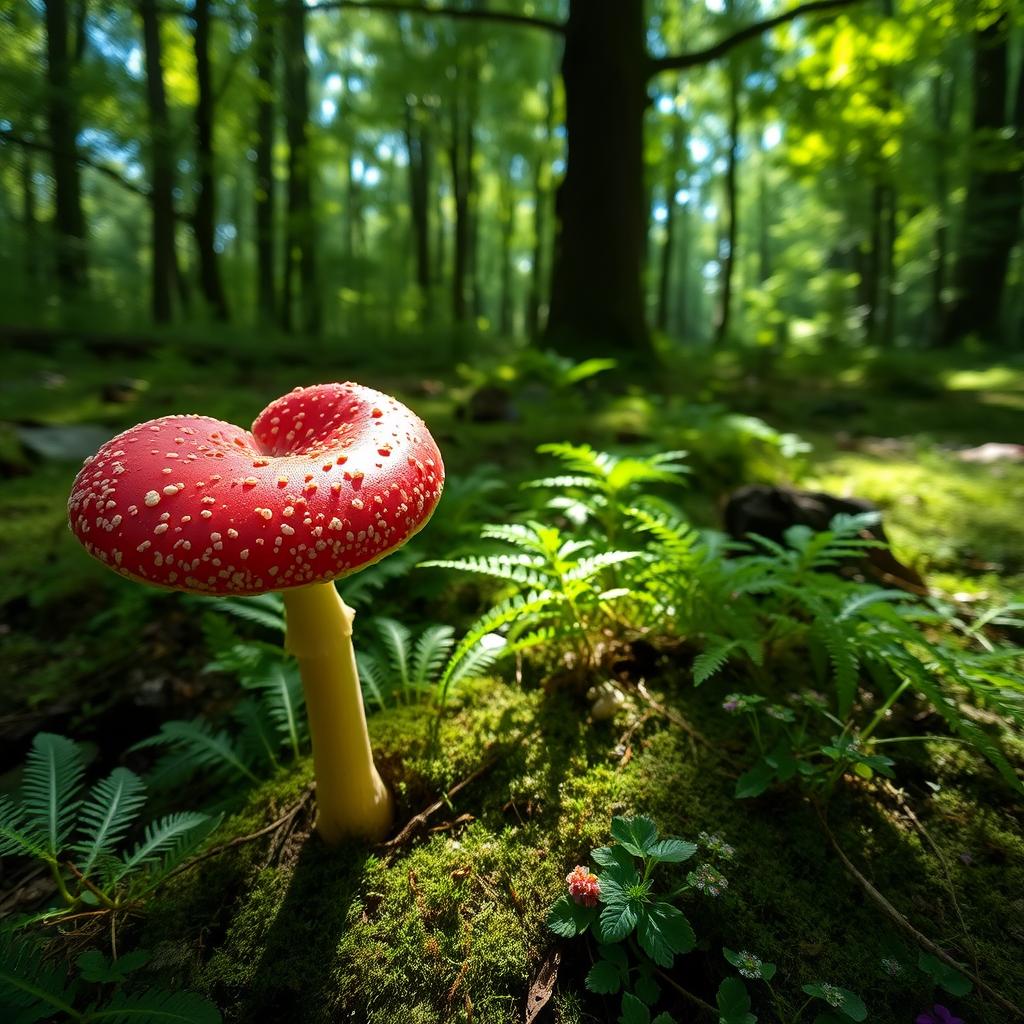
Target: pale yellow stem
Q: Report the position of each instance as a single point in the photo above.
(351, 797)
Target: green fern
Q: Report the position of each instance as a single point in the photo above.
(53, 778)
(194, 747)
(107, 815)
(164, 845)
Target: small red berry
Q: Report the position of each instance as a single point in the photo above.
(584, 887)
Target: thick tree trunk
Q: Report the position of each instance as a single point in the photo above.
(206, 200)
(728, 260)
(300, 247)
(165, 275)
(62, 107)
(597, 304)
(417, 144)
(264, 197)
(29, 221)
(995, 189)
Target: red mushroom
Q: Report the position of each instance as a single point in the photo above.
(331, 479)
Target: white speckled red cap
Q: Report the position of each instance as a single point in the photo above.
(330, 479)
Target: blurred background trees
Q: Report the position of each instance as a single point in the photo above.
(604, 175)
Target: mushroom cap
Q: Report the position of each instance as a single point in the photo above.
(330, 479)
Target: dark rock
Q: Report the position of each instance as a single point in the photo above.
(489, 404)
(69, 443)
(771, 511)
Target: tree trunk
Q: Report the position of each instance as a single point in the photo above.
(264, 195)
(663, 314)
(417, 146)
(460, 190)
(764, 238)
(597, 304)
(728, 261)
(29, 221)
(992, 209)
(69, 220)
(508, 215)
(164, 270)
(300, 247)
(942, 106)
(206, 200)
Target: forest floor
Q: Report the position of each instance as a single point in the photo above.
(449, 924)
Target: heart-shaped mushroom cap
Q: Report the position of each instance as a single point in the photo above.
(331, 478)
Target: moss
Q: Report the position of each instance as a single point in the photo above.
(450, 927)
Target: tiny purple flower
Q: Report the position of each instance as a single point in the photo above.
(938, 1014)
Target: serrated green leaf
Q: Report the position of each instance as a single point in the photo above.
(663, 931)
(734, 1003)
(664, 1018)
(944, 976)
(754, 782)
(673, 851)
(633, 1010)
(617, 861)
(604, 978)
(614, 952)
(647, 988)
(569, 919)
(619, 915)
(637, 834)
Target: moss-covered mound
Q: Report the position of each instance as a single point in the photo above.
(449, 924)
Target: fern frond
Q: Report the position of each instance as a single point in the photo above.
(562, 483)
(528, 570)
(588, 568)
(30, 988)
(17, 836)
(843, 657)
(155, 1006)
(266, 610)
(360, 589)
(580, 458)
(397, 641)
(859, 603)
(166, 843)
(109, 811)
(371, 679)
(195, 747)
(432, 647)
(53, 778)
(280, 686)
(712, 659)
(258, 739)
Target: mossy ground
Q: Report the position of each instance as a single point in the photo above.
(450, 926)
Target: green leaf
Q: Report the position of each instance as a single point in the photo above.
(754, 782)
(604, 978)
(633, 1010)
(647, 988)
(53, 777)
(848, 1002)
(94, 965)
(620, 913)
(168, 839)
(618, 861)
(663, 931)
(155, 1007)
(569, 919)
(637, 835)
(664, 1018)
(673, 851)
(615, 953)
(111, 809)
(734, 1003)
(944, 976)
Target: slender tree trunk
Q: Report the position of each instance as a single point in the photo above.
(300, 248)
(206, 200)
(541, 180)
(264, 197)
(62, 106)
(764, 238)
(663, 314)
(508, 217)
(992, 208)
(29, 221)
(728, 261)
(165, 274)
(681, 307)
(597, 303)
(942, 106)
(460, 191)
(418, 149)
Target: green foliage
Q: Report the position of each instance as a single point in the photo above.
(83, 842)
(32, 988)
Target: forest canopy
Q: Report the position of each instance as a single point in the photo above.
(597, 174)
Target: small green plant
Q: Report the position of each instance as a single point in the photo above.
(639, 930)
(82, 839)
(734, 1001)
(33, 987)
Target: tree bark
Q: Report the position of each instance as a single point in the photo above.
(62, 108)
(665, 291)
(300, 247)
(764, 238)
(29, 220)
(417, 143)
(995, 188)
(508, 214)
(728, 261)
(541, 176)
(164, 272)
(597, 304)
(264, 195)
(206, 199)
(460, 167)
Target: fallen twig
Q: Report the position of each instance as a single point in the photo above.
(922, 940)
(285, 819)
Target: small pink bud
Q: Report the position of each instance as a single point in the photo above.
(584, 887)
